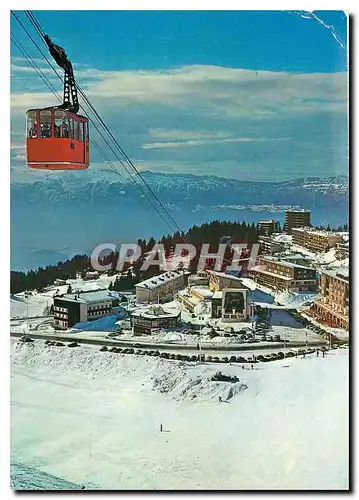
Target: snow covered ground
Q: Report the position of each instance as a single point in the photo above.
(325, 260)
(295, 300)
(93, 418)
(22, 305)
(29, 478)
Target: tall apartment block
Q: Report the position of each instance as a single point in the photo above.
(296, 218)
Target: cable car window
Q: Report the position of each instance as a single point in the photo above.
(31, 125)
(61, 122)
(80, 131)
(77, 126)
(45, 123)
(71, 122)
(86, 131)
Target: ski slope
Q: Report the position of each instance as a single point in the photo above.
(93, 418)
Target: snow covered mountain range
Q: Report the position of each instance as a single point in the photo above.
(179, 189)
(65, 213)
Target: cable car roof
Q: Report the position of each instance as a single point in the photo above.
(56, 108)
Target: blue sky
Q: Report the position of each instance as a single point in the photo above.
(246, 95)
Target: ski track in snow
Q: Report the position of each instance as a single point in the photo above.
(93, 418)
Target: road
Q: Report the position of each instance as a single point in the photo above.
(210, 350)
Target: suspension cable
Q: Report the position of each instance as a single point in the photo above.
(37, 26)
(47, 82)
(130, 164)
(96, 127)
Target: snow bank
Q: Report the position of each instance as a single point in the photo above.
(183, 386)
(176, 378)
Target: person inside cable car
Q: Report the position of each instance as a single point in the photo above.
(45, 130)
(45, 123)
(65, 129)
(33, 131)
(61, 122)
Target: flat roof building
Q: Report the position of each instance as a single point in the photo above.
(315, 239)
(72, 308)
(161, 288)
(219, 280)
(281, 275)
(193, 296)
(147, 319)
(269, 246)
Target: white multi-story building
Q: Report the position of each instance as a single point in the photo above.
(161, 288)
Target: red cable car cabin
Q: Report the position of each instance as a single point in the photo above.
(57, 140)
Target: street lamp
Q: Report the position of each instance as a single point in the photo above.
(201, 318)
(306, 338)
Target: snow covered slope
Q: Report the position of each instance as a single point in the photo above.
(92, 417)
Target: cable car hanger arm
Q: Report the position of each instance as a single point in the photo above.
(70, 91)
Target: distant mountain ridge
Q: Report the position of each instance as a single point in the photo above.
(58, 216)
(191, 190)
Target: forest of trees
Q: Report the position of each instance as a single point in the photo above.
(42, 277)
(211, 233)
(339, 229)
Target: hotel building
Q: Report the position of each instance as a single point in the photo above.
(280, 275)
(332, 308)
(72, 308)
(161, 288)
(296, 218)
(314, 239)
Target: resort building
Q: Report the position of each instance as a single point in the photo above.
(342, 250)
(296, 258)
(269, 246)
(91, 275)
(268, 227)
(161, 288)
(153, 317)
(332, 308)
(235, 305)
(219, 280)
(72, 308)
(296, 218)
(232, 305)
(200, 278)
(315, 239)
(281, 275)
(216, 304)
(193, 296)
